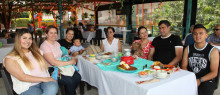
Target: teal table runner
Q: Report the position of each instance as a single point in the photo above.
(137, 63)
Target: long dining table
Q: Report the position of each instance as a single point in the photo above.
(120, 83)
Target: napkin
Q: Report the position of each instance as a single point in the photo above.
(148, 81)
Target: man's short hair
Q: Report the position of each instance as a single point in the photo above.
(199, 26)
(166, 22)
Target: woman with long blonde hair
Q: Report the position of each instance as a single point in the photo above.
(28, 68)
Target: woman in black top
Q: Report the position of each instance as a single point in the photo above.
(68, 42)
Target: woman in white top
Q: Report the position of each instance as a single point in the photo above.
(28, 69)
(111, 44)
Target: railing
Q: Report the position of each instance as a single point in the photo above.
(154, 30)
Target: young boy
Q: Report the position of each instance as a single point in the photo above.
(202, 59)
(77, 48)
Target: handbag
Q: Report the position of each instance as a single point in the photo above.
(67, 70)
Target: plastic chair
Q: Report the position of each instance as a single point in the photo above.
(98, 37)
(217, 78)
(8, 82)
(78, 34)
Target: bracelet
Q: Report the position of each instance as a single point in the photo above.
(201, 80)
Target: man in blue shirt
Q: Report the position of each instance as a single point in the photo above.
(214, 38)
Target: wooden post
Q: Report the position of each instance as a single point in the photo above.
(142, 14)
(76, 16)
(61, 18)
(137, 20)
(32, 13)
(6, 20)
(82, 18)
(55, 22)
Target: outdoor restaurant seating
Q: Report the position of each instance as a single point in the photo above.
(78, 34)
(98, 37)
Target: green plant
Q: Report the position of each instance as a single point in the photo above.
(85, 15)
(39, 32)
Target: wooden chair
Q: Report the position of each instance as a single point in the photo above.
(8, 82)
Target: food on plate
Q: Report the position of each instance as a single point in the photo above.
(157, 67)
(106, 57)
(149, 71)
(143, 74)
(107, 53)
(157, 63)
(107, 63)
(92, 55)
(125, 66)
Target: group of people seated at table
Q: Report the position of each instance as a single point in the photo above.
(199, 57)
(31, 67)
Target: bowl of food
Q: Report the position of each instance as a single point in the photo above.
(143, 74)
(161, 74)
(113, 59)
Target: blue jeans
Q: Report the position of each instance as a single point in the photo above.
(43, 88)
(70, 83)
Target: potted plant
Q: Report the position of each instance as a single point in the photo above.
(39, 32)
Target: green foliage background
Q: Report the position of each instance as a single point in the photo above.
(208, 13)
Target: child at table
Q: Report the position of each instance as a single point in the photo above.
(77, 48)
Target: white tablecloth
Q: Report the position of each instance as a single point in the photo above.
(118, 83)
(5, 50)
(89, 35)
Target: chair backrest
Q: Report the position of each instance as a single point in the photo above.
(98, 34)
(7, 81)
(217, 78)
(106, 31)
(10, 40)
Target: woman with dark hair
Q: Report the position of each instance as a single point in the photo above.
(28, 69)
(145, 43)
(68, 41)
(111, 44)
(52, 54)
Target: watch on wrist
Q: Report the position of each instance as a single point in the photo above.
(201, 80)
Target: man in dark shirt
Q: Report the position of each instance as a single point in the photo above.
(202, 59)
(168, 48)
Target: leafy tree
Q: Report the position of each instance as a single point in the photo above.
(172, 11)
(208, 13)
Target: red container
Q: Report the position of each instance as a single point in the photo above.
(128, 59)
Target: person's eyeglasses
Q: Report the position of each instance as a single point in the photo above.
(216, 29)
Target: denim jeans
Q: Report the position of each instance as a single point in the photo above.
(43, 88)
(70, 83)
